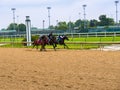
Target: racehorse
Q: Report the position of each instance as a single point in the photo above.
(61, 40)
(45, 40)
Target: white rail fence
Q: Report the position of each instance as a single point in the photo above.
(12, 38)
(92, 34)
(96, 34)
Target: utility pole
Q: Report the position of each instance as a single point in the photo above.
(18, 24)
(43, 24)
(80, 19)
(116, 2)
(13, 9)
(49, 15)
(84, 6)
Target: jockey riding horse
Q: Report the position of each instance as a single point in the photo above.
(45, 40)
(61, 40)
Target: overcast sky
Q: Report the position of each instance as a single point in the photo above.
(61, 10)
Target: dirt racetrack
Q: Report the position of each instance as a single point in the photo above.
(29, 69)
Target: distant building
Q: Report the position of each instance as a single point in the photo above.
(105, 29)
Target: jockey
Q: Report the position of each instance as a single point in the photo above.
(50, 35)
(59, 38)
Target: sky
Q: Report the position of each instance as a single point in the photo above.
(61, 10)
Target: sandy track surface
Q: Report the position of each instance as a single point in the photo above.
(29, 69)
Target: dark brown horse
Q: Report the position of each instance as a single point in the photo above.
(45, 40)
(61, 40)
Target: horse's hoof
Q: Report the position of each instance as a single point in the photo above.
(40, 49)
(45, 50)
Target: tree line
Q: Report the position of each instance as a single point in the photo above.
(78, 24)
(86, 24)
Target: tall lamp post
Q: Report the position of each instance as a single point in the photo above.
(49, 15)
(84, 6)
(80, 19)
(13, 9)
(79, 16)
(18, 23)
(116, 2)
(43, 24)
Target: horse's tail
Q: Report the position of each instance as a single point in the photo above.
(36, 42)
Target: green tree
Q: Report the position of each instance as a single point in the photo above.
(22, 27)
(110, 21)
(52, 27)
(18, 27)
(70, 25)
(93, 23)
(105, 21)
(11, 26)
(78, 23)
(62, 26)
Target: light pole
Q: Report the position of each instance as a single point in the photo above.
(43, 24)
(79, 15)
(49, 15)
(13, 9)
(80, 19)
(56, 22)
(116, 2)
(84, 6)
(18, 23)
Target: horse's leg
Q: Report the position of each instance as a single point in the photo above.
(54, 46)
(41, 48)
(65, 46)
(37, 47)
(44, 47)
(33, 45)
